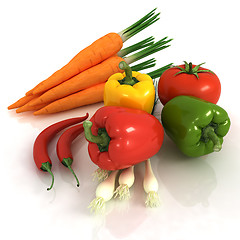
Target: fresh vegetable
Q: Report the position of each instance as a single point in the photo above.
(130, 89)
(22, 101)
(40, 147)
(96, 74)
(87, 96)
(104, 193)
(100, 174)
(64, 146)
(190, 80)
(26, 100)
(122, 137)
(26, 108)
(125, 180)
(150, 185)
(95, 53)
(195, 125)
(92, 95)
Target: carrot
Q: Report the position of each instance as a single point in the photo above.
(22, 101)
(87, 96)
(90, 95)
(123, 52)
(98, 51)
(26, 108)
(88, 78)
(95, 75)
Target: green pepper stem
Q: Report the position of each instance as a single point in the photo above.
(102, 140)
(210, 133)
(47, 167)
(68, 162)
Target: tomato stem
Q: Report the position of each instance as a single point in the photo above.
(190, 70)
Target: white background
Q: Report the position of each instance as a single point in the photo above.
(200, 199)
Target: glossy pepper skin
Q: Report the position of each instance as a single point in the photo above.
(195, 125)
(130, 89)
(130, 137)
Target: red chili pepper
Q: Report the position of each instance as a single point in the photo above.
(121, 137)
(64, 147)
(40, 147)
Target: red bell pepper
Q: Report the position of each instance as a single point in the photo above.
(122, 137)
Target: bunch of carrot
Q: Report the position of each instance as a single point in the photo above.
(81, 81)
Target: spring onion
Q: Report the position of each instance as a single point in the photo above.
(150, 185)
(126, 180)
(104, 193)
(100, 174)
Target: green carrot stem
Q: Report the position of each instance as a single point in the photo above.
(47, 167)
(158, 72)
(138, 26)
(158, 46)
(147, 16)
(144, 65)
(137, 46)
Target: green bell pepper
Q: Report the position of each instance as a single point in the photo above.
(196, 126)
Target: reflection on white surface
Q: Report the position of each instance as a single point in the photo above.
(189, 181)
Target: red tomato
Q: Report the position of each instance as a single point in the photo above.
(189, 80)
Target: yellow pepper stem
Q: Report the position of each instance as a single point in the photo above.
(128, 80)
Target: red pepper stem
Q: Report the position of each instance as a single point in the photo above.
(101, 140)
(210, 134)
(68, 162)
(47, 167)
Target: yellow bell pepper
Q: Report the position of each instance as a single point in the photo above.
(130, 89)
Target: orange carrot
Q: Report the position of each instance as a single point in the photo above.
(98, 51)
(26, 108)
(22, 101)
(95, 53)
(90, 95)
(87, 96)
(96, 74)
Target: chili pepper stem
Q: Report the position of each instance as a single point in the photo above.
(209, 134)
(47, 167)
(68, 162)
